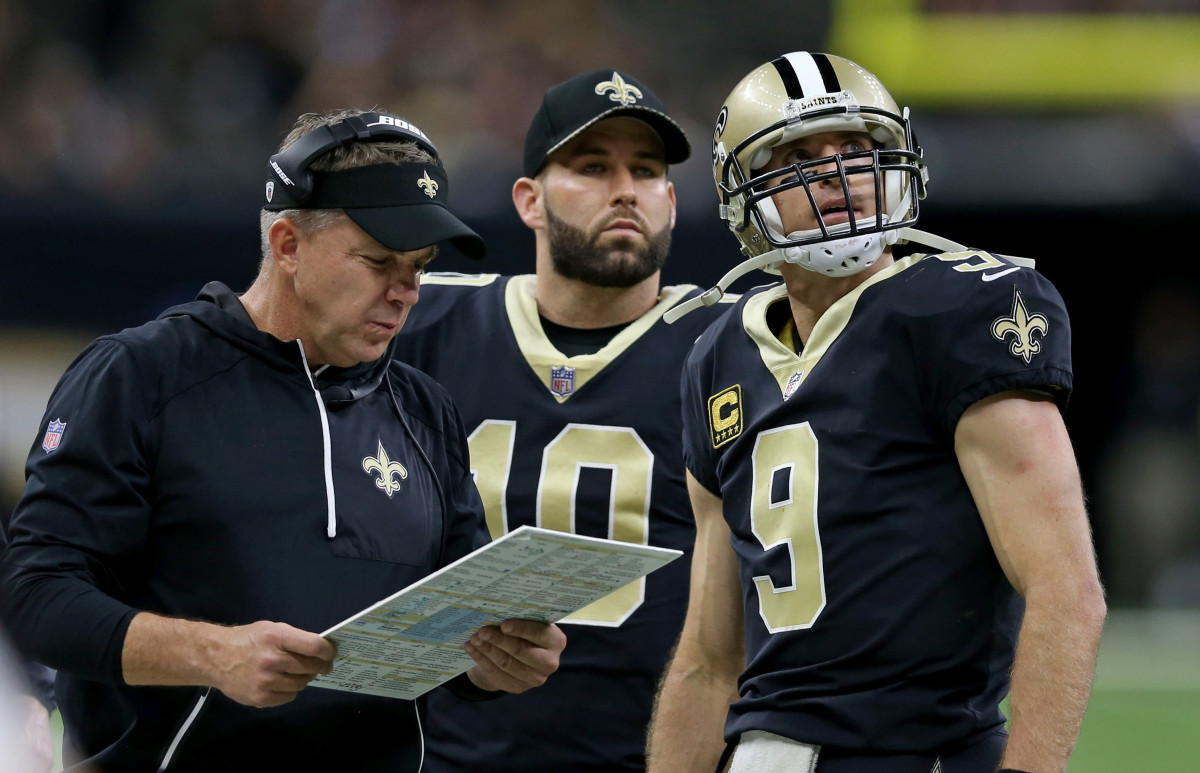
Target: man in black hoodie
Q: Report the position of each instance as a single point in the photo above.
(203, 497)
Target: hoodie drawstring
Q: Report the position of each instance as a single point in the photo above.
(331, 518)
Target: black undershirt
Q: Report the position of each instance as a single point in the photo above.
(783, 325)
(574, 341)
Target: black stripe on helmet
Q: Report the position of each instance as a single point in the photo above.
(825, 67)
(788, 75)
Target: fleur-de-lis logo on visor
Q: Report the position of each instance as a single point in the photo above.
(428, 184)
(387, 470)
(625, 93)
(1021, 325)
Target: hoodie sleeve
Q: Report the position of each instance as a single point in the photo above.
(467, 528)
(82, 520)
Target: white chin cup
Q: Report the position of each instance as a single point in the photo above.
(839, 257)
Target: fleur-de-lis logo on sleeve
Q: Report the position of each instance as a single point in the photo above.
(428, 184)
(625, 93)
(387, 470)
(1021, 326)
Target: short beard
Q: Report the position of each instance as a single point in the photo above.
(576, 256)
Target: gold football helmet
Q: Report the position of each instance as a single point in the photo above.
(794, 96)
(797, 95)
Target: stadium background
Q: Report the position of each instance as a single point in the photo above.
(135, 132)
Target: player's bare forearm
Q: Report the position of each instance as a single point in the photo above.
(686, 732)
(687, 729)
(1052, 677)
(261, 664)
(1015, 454)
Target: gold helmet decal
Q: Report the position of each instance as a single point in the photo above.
(1021, 326)
(428, 184)
(387, 470)
(719, 154)
(625, 93)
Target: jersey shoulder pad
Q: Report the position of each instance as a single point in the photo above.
(985, 325)
(950, 285)
(448, 294)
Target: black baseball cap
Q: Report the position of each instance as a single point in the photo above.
(575, 104)
(402, 206)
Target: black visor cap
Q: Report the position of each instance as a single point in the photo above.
(401, 206)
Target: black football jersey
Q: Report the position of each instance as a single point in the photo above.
(588, 444)
(877, 617)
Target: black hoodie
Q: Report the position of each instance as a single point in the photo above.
(192, 467)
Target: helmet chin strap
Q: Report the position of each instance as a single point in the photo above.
(717, 291)
(773, 258)
(946, 245)
(930, 240)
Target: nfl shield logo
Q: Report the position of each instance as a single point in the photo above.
(270, 190)
(793, 384)
(53, 436)
(562, 381)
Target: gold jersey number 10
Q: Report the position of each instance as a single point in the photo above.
(578, 446)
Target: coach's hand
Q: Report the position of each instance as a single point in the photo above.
(261, 664)
(515, 656)
(267, 664)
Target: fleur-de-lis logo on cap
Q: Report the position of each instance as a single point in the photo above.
(428, 184)
(387, 469)
(1021, 325)
(625, 93)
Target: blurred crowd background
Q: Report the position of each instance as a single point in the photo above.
(134, 136)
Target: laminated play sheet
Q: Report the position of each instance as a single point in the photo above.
(412, 641)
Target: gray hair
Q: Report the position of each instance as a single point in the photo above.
(349, 156)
